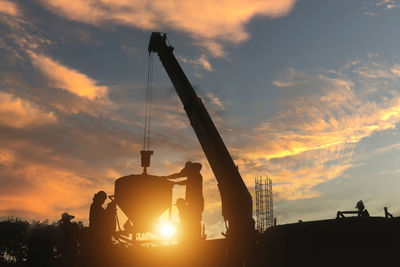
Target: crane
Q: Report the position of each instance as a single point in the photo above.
(235, 197)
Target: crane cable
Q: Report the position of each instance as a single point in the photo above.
(149, 98)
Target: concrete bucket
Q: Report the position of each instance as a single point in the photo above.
(143, 198)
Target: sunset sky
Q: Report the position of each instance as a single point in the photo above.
(306, 92)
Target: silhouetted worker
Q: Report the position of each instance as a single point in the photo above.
(388, 215)
(67, 240)
(194, 193)
(100, 226)
(97, 215)
(362, 211)
(184, 217)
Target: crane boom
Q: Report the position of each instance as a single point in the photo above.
(235, 197)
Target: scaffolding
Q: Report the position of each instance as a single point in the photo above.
(264, 204)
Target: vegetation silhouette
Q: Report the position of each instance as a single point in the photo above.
(35, 243)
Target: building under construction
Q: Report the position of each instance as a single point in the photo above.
(264, 203)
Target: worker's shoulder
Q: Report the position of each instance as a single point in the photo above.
(195, 176)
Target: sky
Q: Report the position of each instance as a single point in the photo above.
(306, 92)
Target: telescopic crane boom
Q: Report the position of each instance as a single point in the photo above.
(236, 199)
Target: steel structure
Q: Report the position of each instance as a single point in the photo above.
(264, 204)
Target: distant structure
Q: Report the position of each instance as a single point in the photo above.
(264, 204)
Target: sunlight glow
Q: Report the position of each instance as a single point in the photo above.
(167, 230)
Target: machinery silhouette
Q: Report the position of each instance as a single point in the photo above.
(345, 241)
(132, 191)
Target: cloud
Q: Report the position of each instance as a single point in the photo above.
(374, 72)
(216, 49)
(336, 113)
(283, 84)
(130, 50)
(9, 8)
(63, 189)
(19, 113)
(68, 79)
(396, 70)
(290, 78)
(201, 61)
(214, 102)
(320, 120)
(25, 43)
(209, 21)
(381, 6)
(7, 157)
(386, 149)
(370, 14)
(388, 4)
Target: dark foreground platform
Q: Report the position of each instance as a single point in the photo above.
(373, 241)
(354, 241)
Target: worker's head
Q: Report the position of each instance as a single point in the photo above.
(360, 205)
(188, 164)
(192, 167)
(100, 197)
(180, 204)
(65, 217)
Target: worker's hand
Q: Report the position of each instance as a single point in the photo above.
(180, 182)
(111, 204)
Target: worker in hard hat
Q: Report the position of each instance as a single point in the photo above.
(388, 215)
(97, 215)
(362, 211)
(67, 239)
(100, 227)
(194, 192)
(184, 218)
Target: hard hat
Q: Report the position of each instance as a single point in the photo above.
(360, 205)
(100, 195)
(187, 164)
(192, 166)
(66, 216)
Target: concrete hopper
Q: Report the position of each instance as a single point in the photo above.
(143, 198)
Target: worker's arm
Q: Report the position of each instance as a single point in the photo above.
(174, 176)
(181, 182)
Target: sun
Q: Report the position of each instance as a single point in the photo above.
(166, 229)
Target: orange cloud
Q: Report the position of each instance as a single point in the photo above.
(202, 61)
(213, 102)
(9, 8)
(45, 190)
(295, 176)
(68, 79)
(7, 157)
(205, 20)
(338, 116)
(16, 112)
(388, 4)
(216, 49)
(312, 136)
